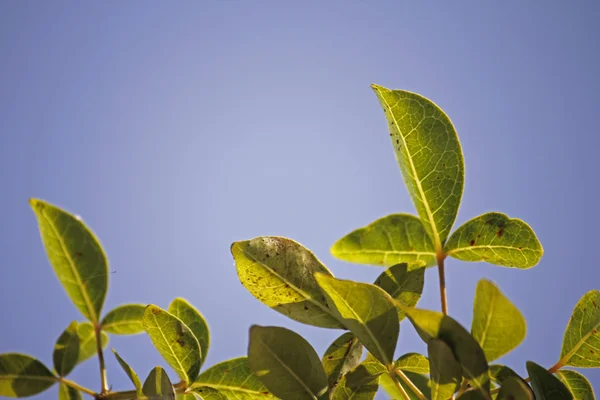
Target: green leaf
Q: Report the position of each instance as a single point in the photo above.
(498, 326)
(187, 396)
(22, 375)
(66, 350)
(515, 388)
(446, 372)
(472, 395)
(286, 363)
(581, 344)
(429, 155)
(366, 372)
(68, 393)
(497, 239)
(413, 362)
(348, 388)
(367, 311)
(76, 256)
(420, 381)
(394, 239)
(183, 310)
(280, 273)
(158, 385)
(87, 341)
(403, 285)
(432, 324)
(341, 356)
(124, 320)
(234, 379)
(131, 374)
(545, 385)
(577, 384)
(174, 341)
(206, 393)
(500, 373)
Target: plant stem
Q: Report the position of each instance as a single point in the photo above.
(399, 386)
(76, 386)
(103, 380)
(411, 385)
(463, 387)
(440, 262)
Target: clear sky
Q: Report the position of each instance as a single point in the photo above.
(175, 129)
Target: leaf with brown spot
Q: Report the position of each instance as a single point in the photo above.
(341, 356)
(581, 343)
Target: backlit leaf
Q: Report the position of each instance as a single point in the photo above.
(280, 273)
(87, 341)
(394, 239)
(545, 385)
(341, 356)
(581, 344)
(22, 375)
(366, 372)
(157, 385)
(420, 381)
(497, 239)
(188, 314)
(413, 362)
(66, 350)
(124, 320)
(578, 385)
(68, 393)
(76, 256)
(446, 372)
(130, 373)
(429, 155)
(207, 393)
(349, 388)
(402, 284)
(515, 388)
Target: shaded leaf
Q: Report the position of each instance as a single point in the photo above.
(472, 395)
(68, 393)
(581, 343)
(341, 356)
(207, 393)
(446, 372)
(76, 256)
(420, 381)
(499, 373)
(157, 385)
(22, 375)
(429, 155)
(66, 350)
(403, 285)
(347, 389)
(190, 316)
(367, 311)
(545, 385)
(131, 374)
(497, 239)
(174, 341)
(280, 273)
(394, 239)
(578, 385)
(286, 363)
(87, 341)
(515, 388)
(498, 325)
(124, 320)
(366, 372)
(413, 362)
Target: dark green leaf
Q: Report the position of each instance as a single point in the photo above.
(347, 389)
(366, 372)
(131, 374)
(499, 373)
(188, 314)
(402, 284)
(413, 362)
(158, 386)
(515, 388)
(581, 344)
(125, 320)
(22, 376)
(68, 393)
(76, 256)
(545, 385)
(66, 350)
(420, 381)
(87, 341)
(341, 356)
(577, 384)
(446, 372)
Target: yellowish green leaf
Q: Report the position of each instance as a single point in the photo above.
(366, 372)
(207, 393)
(190, 316)
(87, 341)
(581, 344)
(66, 350)
(413, 362)
(22, 376)
(545, 385)
(124, 320)
(420, 381)
(341, 356)
(157, 385)
(446, 372)
(361, 389)
(131, 374)
(68, 393)
(402, 284)
(578, 385)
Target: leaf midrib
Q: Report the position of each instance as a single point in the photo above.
(580, 343)
(8, 377)
(184, 372)
(495, 246)
(488, 322)
(404, 252)
(226, 387)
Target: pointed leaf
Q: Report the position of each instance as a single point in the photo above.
(413, 362)
(280, 273)
(22, 375)
(581, 344)
(158, 385)
(286, 363)
(545, 385)
(394, 239)
(429, 155)
(234, 379)
(68, 393)
(500, 373)
(578, 385)
(207, 393)
(76, 256)
(420, 381)
(402, 284)
(515, 388)
(87, 341)
(497, 239)
(498, 326)
(367, 311)
(341, 356)
(66, 350)
(124, 320)
(183, 310)
(446, 372)
(174, 341)
(131, 374)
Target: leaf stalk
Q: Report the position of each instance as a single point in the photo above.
(103, 379)
(410, 384)
(440, 261)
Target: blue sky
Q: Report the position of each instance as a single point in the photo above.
(176, 129)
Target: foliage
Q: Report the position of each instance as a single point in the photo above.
(291, 280)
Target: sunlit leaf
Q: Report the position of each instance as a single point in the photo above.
(545, 385)
(22, 375)
(446, 372)
(402, 284)
(76, 256)
(87, 341)
(286, 363)
(394, 239)
(499, 373)
(188, 314)
(174, 341)
(130, 373)
(280, 273)
(413, 362)
(66, 350)
(515, 388)
(207, 393)
(68, 393)
(367, 311)
(187, 396)
(157, 385)
(124, 320)
(581, 344)
(498, 325)
(497, 239)
(341, 356)
(420, 381)
(578, 385)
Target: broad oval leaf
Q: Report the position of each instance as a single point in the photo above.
(500, 373)
(174, 341)
(124, 320)
(87, 341)
(68, 393)
(402, 284)
(367, 311)
(341, 356)
(497, 239)
(286, 363)
(22, 375)
(131, 374)
(394, 239)
(66, 350)
(581, 343)
(578, 385)
(515, 388)
(190, 316)
(429, 155)
(497, 325)
(413, 362)
(157, 385)
(234, 379)
(545, 385)
(207, 393)
(76, 256)
(446, 372)
(420, 381)
(280, 273)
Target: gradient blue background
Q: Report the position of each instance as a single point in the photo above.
(175, 129)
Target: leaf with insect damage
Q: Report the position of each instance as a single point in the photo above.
(188, 314)
(341, 356)
(22, 376)
(124, 320)
(66, 350)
